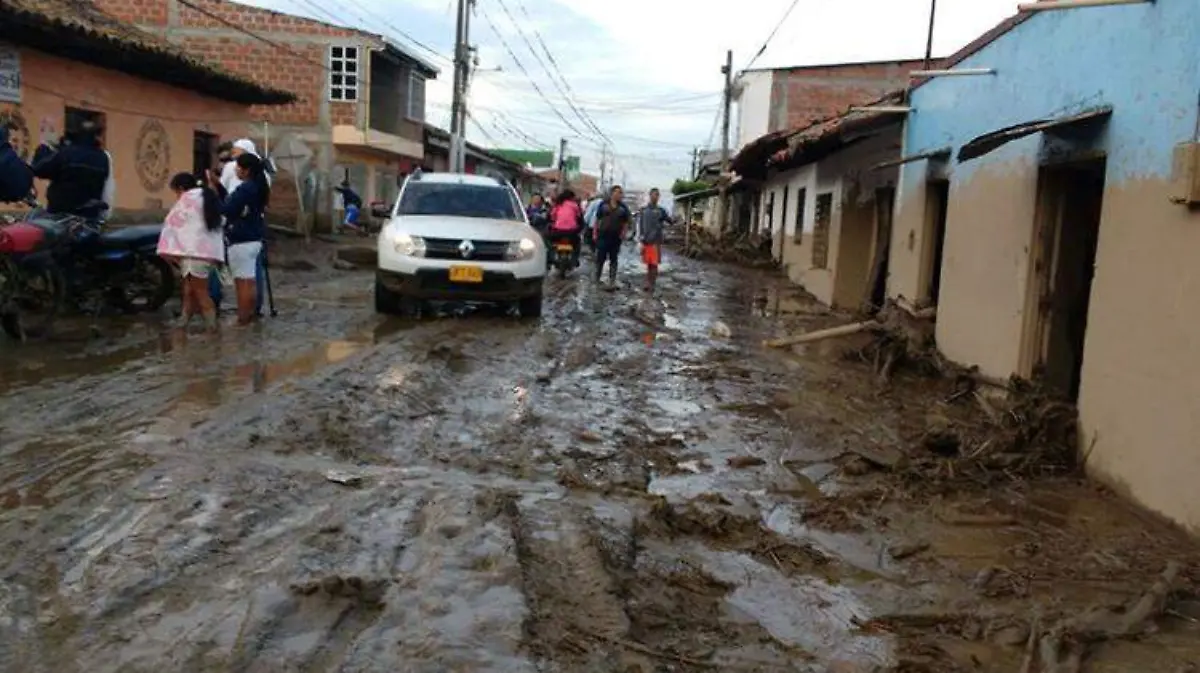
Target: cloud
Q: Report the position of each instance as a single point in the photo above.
(647, 72)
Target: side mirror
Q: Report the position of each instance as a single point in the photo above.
(381, 210)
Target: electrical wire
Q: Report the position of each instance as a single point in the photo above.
(92, 105)
(770, 37)
(587, 122)
(521, 66)
(364, 21)
(557, 69)
(487, 136)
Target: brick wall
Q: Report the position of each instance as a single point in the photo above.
(802, 96)
(299, 68)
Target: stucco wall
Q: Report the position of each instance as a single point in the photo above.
(847, 176)
(1140, 393)
(143, 160)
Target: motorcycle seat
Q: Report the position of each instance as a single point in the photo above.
(133, 236)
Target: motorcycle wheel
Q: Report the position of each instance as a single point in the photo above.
(147, 288)
(39, 295)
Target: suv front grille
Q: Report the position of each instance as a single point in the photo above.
(448, 248)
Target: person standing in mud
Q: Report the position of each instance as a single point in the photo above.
(651, 221)
(612, 221)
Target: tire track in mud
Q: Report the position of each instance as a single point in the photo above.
(504, 521)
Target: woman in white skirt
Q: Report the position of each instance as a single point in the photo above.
(192, 238)
(244, 229)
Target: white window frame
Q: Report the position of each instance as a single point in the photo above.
(345, 61)
(415, 79)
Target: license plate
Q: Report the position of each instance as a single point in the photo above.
(563, 247)
(466, 274)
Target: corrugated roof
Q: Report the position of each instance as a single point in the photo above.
(78, 30)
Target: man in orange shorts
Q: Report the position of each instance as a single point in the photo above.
(651, 221)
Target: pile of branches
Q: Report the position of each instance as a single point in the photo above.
(744, 248)
(986, 427)
(1031, 432)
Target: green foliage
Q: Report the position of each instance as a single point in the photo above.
(682, 186)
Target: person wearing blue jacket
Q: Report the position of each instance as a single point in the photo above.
(245, 228)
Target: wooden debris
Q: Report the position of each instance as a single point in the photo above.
(831, 333)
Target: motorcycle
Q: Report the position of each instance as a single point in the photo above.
(100, 267)
(564, 255)
(32, 286)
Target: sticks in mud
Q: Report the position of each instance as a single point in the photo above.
(1063, 647)
(842, 330)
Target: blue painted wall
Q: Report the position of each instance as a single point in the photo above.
(1142, 59)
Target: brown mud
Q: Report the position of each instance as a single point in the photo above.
(630, 484)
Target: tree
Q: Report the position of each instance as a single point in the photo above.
(682, 186)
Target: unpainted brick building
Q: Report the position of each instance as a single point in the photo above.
(779, 99)
(360, 111)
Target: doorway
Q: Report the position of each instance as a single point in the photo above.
(885, 203)
(204, 152)
(937, 204)
(74, 118)
(1071, 202)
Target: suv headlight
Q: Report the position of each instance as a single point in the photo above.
(411, 246)
(519, 250)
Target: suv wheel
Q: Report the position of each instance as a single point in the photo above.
(392, 303)
(531, 307)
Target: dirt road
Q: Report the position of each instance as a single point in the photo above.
(629, 484)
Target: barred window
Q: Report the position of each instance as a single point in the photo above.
(343, 73)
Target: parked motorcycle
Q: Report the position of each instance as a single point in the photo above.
(100, 267)
(32, 286)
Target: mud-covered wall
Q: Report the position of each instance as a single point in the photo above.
(1140, 397)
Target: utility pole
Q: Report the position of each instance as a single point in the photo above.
(929, 41)
(723, 181)
(603, 168)
(458, 105)
(695, 163)
(562, 164)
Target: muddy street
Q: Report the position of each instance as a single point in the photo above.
(628, 484)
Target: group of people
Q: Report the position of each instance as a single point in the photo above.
(77, 166)
(605, 224)
(220, 220)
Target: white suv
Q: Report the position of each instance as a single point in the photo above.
(456, 237)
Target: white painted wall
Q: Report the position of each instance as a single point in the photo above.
(752, 95)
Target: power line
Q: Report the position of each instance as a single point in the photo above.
(514, 115)
(487, 136)
(517, 61)
(770, 37)
(587, 122)
(554, 62)
(252, 34)
(370, 17)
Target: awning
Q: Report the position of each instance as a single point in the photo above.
(940, 153)
(991, 141)
(693, 196)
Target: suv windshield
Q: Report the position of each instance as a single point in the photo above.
(440, 198)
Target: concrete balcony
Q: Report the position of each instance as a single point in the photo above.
(377, 141)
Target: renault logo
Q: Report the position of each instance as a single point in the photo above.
(467, 249)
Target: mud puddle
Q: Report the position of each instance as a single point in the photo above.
(628, 484)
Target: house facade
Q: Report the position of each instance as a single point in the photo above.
(482, 162)
(161, 111)
(783, 99)
(1049, 210)
(828, 201)
(775, 104)
(360, 113)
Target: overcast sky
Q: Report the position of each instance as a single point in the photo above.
(646, 72)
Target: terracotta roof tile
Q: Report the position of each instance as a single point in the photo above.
(35, 23)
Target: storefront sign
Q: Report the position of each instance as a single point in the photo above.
(10, 74)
